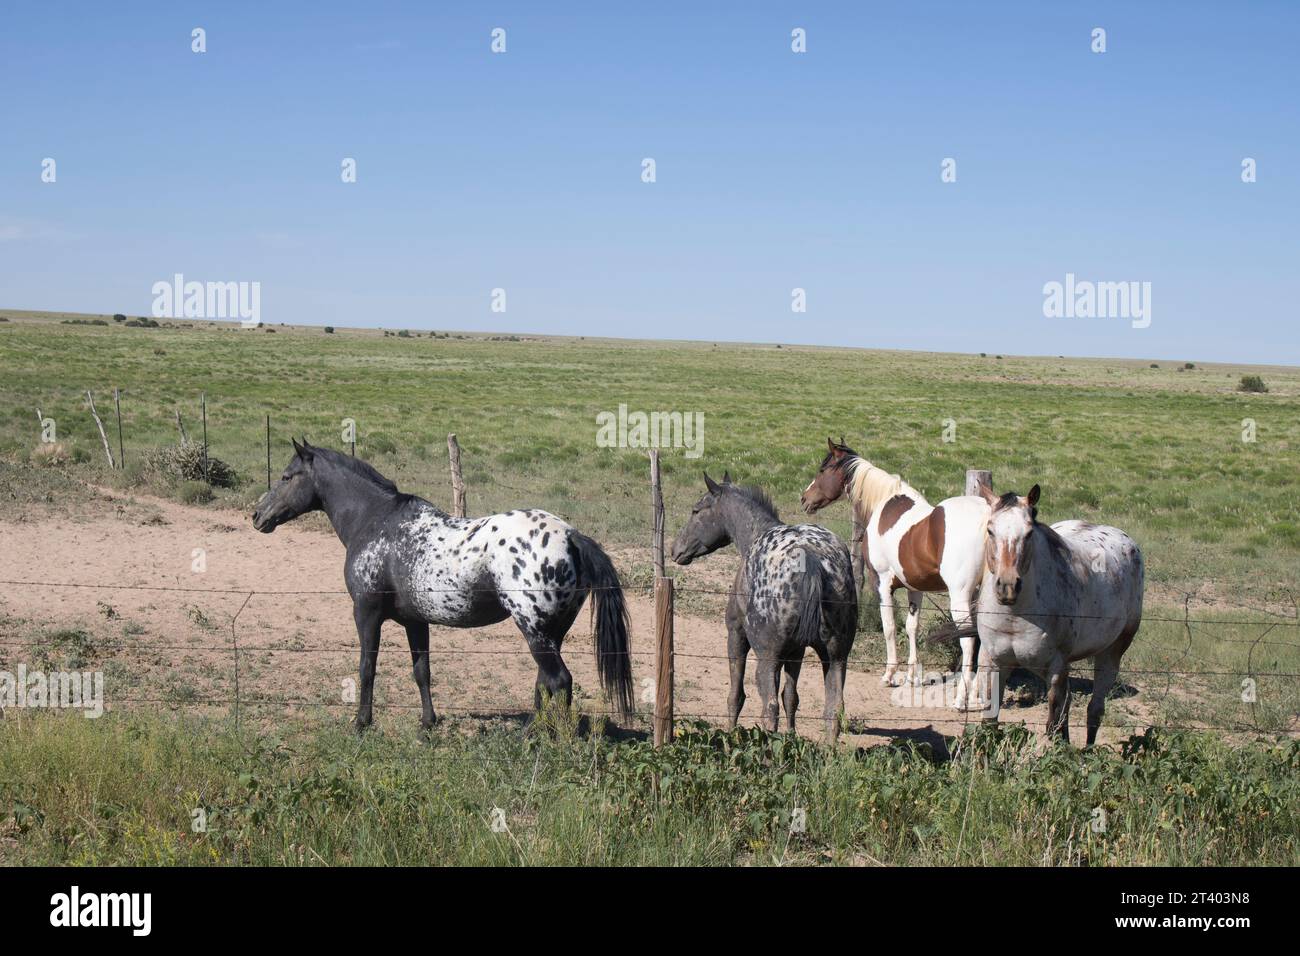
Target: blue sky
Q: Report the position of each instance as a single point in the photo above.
(775, 170)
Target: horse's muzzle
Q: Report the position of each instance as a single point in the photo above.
(1007, 591)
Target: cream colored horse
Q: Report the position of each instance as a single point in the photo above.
(1054, 595)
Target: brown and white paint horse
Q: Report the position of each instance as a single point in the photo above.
(910, 544)
(1053, 595)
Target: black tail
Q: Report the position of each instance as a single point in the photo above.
(810, 604)
(613, 662)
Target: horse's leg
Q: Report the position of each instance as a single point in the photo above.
(995, 687)
(553, 678)
(833, 673)
(913, 623)
(1105, 668)
(369, 620)
(737, 652)
(769, 678)
(889, 627)
(961, 618)
(1058, 699)
(790, 694)
(417, 635)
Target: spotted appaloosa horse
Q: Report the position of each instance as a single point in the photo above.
(910, 544)
(410, 562)
(1053, 595)
(794, 590)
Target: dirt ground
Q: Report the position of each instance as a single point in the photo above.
(163, 632)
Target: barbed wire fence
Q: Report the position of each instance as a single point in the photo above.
(660, 715)
(240, 696)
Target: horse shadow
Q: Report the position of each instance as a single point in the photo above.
(528, 721)
(1029, 689)
(927, 739)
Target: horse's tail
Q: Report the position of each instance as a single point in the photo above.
(809, 628)
(613, 662)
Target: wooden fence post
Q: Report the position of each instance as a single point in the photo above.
(976, 477)
(108, 449)
(663, 713)
(121, 449)
(207, 472)
(457, 482)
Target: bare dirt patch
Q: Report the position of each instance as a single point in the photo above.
(157, 586)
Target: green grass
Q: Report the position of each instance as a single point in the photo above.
(125, 790)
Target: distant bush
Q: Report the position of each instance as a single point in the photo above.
(119, 317)
(1189, 365)
(51, 454)
(83, 322)
(329, 330)
(1252, 383)
(1155, 364)
(404, 334)
(4, 318)
(141, 323)
(184, 462)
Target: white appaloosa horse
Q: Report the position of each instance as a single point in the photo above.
(1053, 595)
(910, 544)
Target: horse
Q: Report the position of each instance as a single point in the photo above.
(909, 544)
(1054, 595)
(410, 562)
(794, 590)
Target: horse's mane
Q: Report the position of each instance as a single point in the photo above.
(759, 497)
(357, 467)
(869, 486)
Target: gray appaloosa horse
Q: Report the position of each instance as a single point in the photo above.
(410, 562)
(794, 590)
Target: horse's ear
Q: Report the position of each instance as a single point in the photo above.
(305, 451)
(711, 484)
(297, 449)
(987, 494)
(830, 443)
(1032, 497)
(726, 477)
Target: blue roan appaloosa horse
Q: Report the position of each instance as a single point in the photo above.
(794, 590)
(1054, 595)
(410, 562)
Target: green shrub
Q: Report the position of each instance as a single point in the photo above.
(193, 493)
(1252, 383)
(184, 463)
(329, 330)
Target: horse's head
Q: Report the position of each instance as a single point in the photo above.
(831, 479)
(706, 531)
(1009, 542)
(294, 494)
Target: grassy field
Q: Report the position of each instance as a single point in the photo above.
(1157, 451)
(127, 789)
